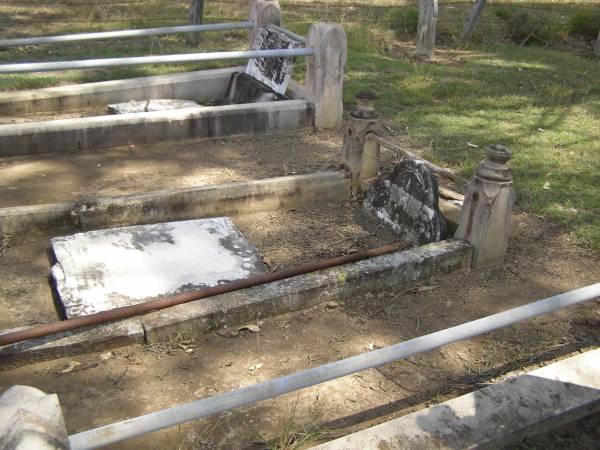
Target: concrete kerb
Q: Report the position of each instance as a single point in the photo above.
(495, 416)
(196, 318)
(90, 133)
(178, 204)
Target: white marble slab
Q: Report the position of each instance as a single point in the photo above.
(105, 269)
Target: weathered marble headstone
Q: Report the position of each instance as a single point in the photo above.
(161, 104)
(105, 269)
(274, 72)
(407, 201)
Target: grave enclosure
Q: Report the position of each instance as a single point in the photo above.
(120, 251)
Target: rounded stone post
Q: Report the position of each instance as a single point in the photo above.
(359, 154)
(486, 215)
(31, 419)
(262, 13)
(325, 73)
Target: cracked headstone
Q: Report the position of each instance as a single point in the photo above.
(161, 104)
(407, 202)
(105, 269)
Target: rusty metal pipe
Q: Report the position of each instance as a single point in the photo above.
(125, 312)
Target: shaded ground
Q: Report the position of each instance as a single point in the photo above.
(143, 168)
(135, 380)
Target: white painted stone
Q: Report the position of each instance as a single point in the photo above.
(105, 269)
(161, 104)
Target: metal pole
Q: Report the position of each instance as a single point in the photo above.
(288, 33)
(158, 420)
(160, 59)
(125, 33)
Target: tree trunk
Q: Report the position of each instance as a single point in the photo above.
(428, 12)
(597, 45)
(474, 15)
(195, 16)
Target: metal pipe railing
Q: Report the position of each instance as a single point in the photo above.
(288, 33)
(125, 33)
(158, 59)
(158, 420)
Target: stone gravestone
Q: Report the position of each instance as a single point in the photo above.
(274, 72)
(407, 201)
(104, 269)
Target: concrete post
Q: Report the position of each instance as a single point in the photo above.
(262, 13)
(31, 419)
(359, 154)
(597, 45)
(485, 220)
(428, 12)
(325, 73)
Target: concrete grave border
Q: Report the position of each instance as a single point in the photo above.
(196, 318)
(177, 204)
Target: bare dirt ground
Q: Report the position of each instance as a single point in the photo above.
(125, 170)
(100, 388)
(130, 381)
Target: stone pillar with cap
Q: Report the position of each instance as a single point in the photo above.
(262, 13)
(359, 154)
(325, 72)
(486, 215)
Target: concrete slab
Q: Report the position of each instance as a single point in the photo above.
(160, 104)
(88, 133)
(178, 204)
(495, 416)
(196, 318)
(105, 269)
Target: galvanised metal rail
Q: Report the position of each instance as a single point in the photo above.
(158, 59)
(288, 33)
(125, 33)
(158, 420)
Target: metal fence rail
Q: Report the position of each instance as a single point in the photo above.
(186, 412)
(158, 59)
(126, 33)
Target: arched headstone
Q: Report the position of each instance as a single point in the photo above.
(407, 201)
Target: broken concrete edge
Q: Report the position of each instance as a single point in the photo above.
(201, 86)
(229, 199)
(194, 319)
(88, 133)
(495, 416)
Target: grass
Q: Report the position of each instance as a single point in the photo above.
(543, 103)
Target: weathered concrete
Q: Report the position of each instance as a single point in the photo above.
(383, 272)
(359, 155)
(426, 28)
(204, 86)
(262, 13)
(407, 202)
(325, 73)
(194, 319)
(178, 204)
(84, 340)
(495, 416)
(160, 104)
(90, 133)
(485, 219)
(31, 419)
(106, 269)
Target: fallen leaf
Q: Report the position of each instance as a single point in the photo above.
(70, 366)
(105, 356)
(255, 367)
(541, 130)
(332, 305)
(472, 145)
(546, 186)
(249, 327)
